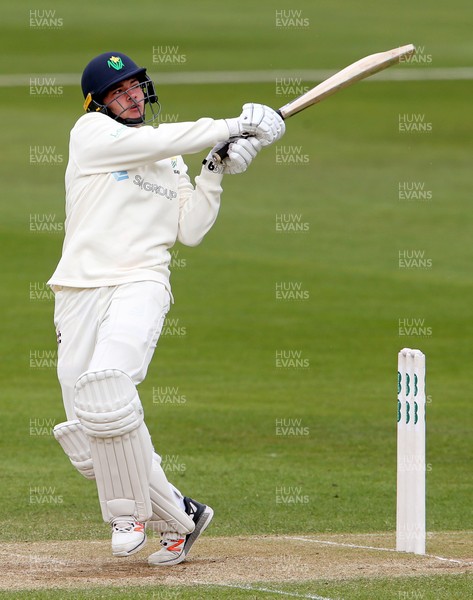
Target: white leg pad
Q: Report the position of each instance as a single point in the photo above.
(167, 516)
(109, 409)
(75, 444)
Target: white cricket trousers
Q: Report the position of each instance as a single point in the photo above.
(107, 328)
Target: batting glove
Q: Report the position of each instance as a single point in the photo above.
(241, 152)
(259, 121)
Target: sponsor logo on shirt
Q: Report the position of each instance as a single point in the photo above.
(118, 132)
(120, 175)
(174, 165)
(149, 186)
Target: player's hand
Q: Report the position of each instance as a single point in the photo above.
(241, 153)
(259, 121)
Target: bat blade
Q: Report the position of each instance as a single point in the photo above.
(365, 67)
(361, 69)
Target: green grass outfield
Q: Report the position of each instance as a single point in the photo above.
(425, 588)
(220, 439)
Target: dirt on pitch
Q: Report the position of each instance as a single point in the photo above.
(231, 560)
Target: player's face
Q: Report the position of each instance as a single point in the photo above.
(126, 99)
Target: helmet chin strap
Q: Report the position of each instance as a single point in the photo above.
(131, 122)
(139, 120)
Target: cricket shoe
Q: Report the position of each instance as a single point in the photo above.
(128, 536)
(176, 546)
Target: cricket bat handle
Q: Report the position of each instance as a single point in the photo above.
(221, 154)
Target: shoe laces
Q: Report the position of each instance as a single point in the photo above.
(123, 525)
(169, 537)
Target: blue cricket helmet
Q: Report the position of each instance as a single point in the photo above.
(105, 71)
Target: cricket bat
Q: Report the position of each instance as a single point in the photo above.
(365, 67)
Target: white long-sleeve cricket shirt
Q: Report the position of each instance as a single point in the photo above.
(129, 198)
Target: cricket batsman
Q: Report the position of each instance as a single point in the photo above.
(128, 199)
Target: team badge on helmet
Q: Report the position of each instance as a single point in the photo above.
(115, 62)
(109, 69)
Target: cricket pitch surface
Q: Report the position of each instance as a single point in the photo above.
(232, 561)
